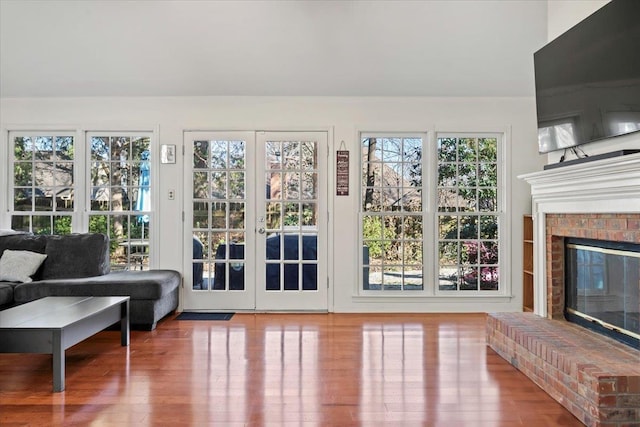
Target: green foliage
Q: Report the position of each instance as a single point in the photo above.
(373, 233)
(308, 214)
(22, 167)
(290, 215)
(62, 225)
(100, 224)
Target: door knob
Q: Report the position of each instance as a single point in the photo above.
(261, 230)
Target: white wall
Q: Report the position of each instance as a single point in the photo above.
(269, 48)
(345, 116)
(564, 14)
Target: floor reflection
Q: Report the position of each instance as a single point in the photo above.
(292, 374)
(283, 369)
(392, 373)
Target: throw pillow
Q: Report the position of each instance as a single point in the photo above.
(19, 266)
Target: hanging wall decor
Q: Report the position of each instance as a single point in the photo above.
(342, 171)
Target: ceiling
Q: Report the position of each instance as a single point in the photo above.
(276, 48)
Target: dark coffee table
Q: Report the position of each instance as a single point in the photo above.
(51, 325)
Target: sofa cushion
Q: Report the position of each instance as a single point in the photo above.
(139, 285)
(148, 284)
(23, 242)
(76, 255)
(6, 294)
(19, 266)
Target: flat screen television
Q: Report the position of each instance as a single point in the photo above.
(588, 79)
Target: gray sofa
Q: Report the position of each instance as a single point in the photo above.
(78, 265)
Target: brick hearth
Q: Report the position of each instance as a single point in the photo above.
(596, 378)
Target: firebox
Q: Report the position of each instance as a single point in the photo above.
(602, 287)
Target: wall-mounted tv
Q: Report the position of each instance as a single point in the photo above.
(588, 79)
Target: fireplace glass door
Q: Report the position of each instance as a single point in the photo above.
(602, 285)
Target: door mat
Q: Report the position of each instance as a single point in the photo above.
(187, 315)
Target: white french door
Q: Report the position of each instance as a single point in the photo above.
(218, 221)
(256, 218)
(291, 221)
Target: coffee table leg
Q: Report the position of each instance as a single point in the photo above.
(124, 323)
(58, 361)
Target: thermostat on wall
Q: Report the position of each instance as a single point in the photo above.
(168, 153)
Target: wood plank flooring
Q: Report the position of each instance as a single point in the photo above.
(280, 370)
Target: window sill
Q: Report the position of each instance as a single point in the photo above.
(413, 299)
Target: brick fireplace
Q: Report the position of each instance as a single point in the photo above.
(599, 200)
(614, 227)
(594, 377)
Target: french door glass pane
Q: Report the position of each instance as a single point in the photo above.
(291, 215)
(219, 204)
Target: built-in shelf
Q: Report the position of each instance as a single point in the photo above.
(527, 263)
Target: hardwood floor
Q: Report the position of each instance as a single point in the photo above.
(282, 369)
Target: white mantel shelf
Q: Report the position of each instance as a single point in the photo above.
(609, 185)
(613, 185)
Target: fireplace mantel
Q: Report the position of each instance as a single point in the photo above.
(603, 186)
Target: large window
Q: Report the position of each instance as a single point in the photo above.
(120, 196)
(399, 227)
(43, 182)
(48, 194)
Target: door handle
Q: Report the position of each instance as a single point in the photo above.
(261, 230)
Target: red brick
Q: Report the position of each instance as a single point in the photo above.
(633, 385)
(628, 401)
(610, 401)
(607, 387)
(594, 383)
(616, 224)
(615, 414)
